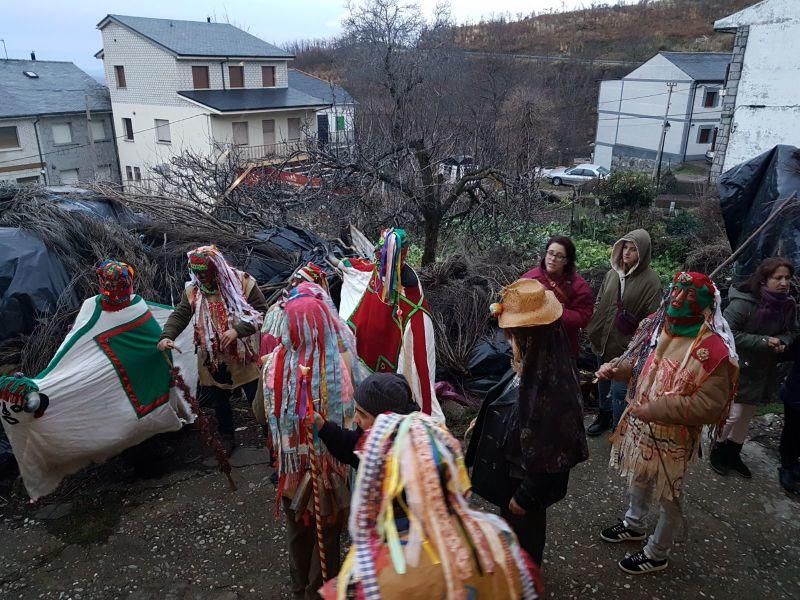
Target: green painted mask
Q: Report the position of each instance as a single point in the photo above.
(691, 295)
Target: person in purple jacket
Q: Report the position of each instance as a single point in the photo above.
(556, 272)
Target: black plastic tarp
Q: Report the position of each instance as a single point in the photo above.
(488, 364)
(749, 193)
(85, 201)
(32, 280)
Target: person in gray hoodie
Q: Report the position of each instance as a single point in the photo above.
(630, 291)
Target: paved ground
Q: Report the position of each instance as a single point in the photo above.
(181, 534)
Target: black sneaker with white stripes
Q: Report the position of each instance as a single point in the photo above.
(621, 533)
(639, 564)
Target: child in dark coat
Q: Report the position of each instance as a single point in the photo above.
(377, 394)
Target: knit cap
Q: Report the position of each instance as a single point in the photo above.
(385, 392)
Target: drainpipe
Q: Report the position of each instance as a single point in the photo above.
(222, 70)
(689, 114)
(43, 166)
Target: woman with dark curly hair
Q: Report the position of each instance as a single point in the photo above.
(762, 316)
(556, 272)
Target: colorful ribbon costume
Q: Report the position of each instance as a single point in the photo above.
(414, 533)
(385, 306)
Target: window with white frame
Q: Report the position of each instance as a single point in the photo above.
(294, 128)
(62, 133)
(162, 131)
(137, 173)
(98, 131)
(9, 139)
(129, 173)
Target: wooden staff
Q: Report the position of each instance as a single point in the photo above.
(312, 455)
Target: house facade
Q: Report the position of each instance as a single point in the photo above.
(202, 87)
(760, 107)
(55, 125)
(335, 124)
(674, 95)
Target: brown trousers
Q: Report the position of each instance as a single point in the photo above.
(304, 567)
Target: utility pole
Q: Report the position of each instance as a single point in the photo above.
(664, 129)
(92, 155)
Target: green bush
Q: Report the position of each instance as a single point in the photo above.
(625, 191)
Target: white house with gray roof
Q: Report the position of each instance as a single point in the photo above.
(199, 86)
(681, 88)
(45, 135)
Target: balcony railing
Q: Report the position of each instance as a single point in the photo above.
(338, 143)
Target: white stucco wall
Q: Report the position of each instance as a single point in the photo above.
(770, 78)
(188, 127)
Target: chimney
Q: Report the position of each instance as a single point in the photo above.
(33, 55)
(208, 19)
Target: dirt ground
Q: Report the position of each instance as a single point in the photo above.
(160, 523)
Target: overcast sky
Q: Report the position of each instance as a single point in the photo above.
(66, 30)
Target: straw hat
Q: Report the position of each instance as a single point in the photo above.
(526, 303)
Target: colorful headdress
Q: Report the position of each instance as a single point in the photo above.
(312, 274)
(687, 318)
(234, 306)
(116, 283)
(412, 462)
(391, 246)
(309, 366)
(702, 284)
(200, 258)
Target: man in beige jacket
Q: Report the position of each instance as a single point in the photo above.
(226, 309)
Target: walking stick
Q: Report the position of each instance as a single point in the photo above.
(311, 443)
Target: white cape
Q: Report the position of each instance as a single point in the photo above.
(101, 401)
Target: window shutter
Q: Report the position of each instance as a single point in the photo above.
(162, 131)
(200, 78)
(98, 131)
(62, 134)
(268, 76)
(268, 129)
(294, 128)
(240, 134)
(236, 76)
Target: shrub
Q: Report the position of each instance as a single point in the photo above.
(625, 191)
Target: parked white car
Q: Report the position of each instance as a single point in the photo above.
(577, 175)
